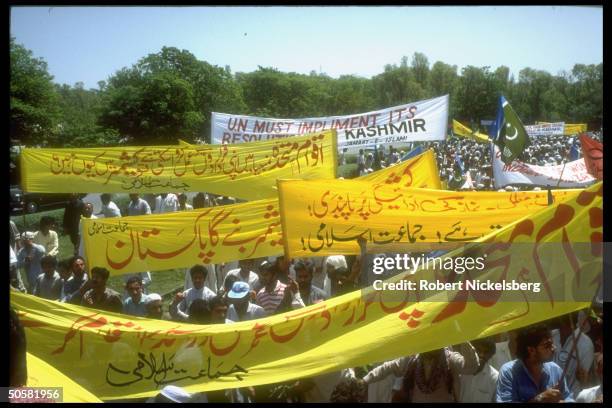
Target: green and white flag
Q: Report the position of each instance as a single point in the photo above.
(511, 135)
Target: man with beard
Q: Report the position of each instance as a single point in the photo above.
(309, 293)
(96, 295)
(533, 376)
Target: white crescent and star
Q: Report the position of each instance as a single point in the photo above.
(515, 132)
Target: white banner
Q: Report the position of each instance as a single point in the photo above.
(573, 175)
(545, 129)
(418, 121)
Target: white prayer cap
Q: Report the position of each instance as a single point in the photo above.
(480, 185)
(337, 261)
(176, 394)
(152, 297)
(27, 235)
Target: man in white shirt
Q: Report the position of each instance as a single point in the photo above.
(460, 362)
(480, 386)
(138, 206)
(565, 355)
(87, 213)
(15, 276)
(594, 394)
(505, 350)
(165, 203)
(180, 306)
(46, 237)
(222, 269)
(244, 273)
(211, 278)
(241, 309)
(109, 208)
(29, 257)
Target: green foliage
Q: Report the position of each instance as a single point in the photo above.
(79, 114)
(170, 95)
(33, 100)
(476, 96)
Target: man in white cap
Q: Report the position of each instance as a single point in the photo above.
(154, 307)
(241, 309)
(29, 257)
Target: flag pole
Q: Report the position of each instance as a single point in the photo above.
(575, 338)
(567, 153)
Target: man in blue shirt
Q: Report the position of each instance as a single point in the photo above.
(136, 304)
(533, 376)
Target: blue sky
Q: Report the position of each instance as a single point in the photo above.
(89, 44)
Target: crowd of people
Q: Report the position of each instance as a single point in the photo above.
(461, 159)
(553, 361)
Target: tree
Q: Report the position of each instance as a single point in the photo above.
(396, 86)
(79, 115)
(420, 68)
(33, 100)
(443, 80)
(157, 108)
(477, 95)
(585, 93)
(167, 96)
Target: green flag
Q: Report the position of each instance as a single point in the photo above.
(512, 137)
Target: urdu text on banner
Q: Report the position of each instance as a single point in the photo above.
(215, 234)
(116, 356)
(248, 171)
(323, 218)
(418, 121)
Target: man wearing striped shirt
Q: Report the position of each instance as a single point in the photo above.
(273, 291)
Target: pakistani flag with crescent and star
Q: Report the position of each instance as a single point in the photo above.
(510, 136)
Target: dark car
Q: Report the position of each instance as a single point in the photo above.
(34, 202)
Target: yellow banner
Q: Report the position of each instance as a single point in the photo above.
(216, 234)
(574, 129)
(248, 170)
(41, 374)
(323, 218)
(465, 132)
(183, 239)
(116, 356)
(570, 128)
(420, 171)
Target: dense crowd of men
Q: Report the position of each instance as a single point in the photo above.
(560, 360)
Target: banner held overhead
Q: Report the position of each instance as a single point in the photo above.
(215, 234)
(247, 171)
(116, 356)
(418, 121)
(323, 218)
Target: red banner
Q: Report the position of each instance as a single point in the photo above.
(592, 151)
